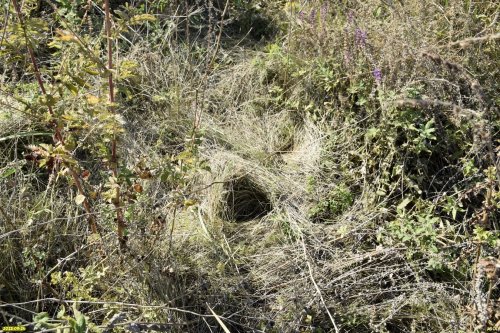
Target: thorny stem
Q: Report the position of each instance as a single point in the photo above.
(5, 26)
(58, 138)
(58, 135)
(186, 4)
(217, 43)
(5, 216)
(114, 160)
(172, 231)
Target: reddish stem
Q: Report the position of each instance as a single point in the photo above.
(58, 135)
(114, 160)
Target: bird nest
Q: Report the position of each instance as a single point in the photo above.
(245, 200)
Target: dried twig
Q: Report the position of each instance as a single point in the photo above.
(306, 257)
(474, 40)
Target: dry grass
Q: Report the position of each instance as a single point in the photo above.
(282, 138)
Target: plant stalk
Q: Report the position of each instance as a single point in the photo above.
(58, 138)
(120, 222)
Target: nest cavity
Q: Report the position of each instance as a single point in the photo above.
(245, 201)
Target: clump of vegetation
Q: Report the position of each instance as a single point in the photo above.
(356, 143)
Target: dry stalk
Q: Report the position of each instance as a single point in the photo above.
(120, 304)
(120, 222)
(217, 43)
(425, 103)
(474, 40)
(316, 286)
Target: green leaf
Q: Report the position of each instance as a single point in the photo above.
(8, 172)
(72, 323)
(42, 321)
(47, 100)
(81, 323)
(361, 101)
(80, 81)
(72, 88)
(24, 135)
(61, 312)
(372, 132)
(41, 317)
(428, 126)
(189, 202)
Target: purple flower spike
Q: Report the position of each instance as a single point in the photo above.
(312, 16)
(301, 15)
(377, 74)
(324, 11)
(350, 16)
(360, 36)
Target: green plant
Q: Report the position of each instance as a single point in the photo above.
(58, 155)
(336, 202)
(423, 233)
(80, 286)
(64, 323)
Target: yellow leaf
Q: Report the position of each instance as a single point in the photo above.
(189, 202)
(91, 71)
(92, 100)
(79, 199)
(137, 19)
(66, 36)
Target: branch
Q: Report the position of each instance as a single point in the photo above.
(58, 135)
(114, 159)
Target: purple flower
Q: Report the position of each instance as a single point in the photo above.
(312, 16)
(377, 74)
(360, 36)
(350, 16)
(324, 11)
(301, 15)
